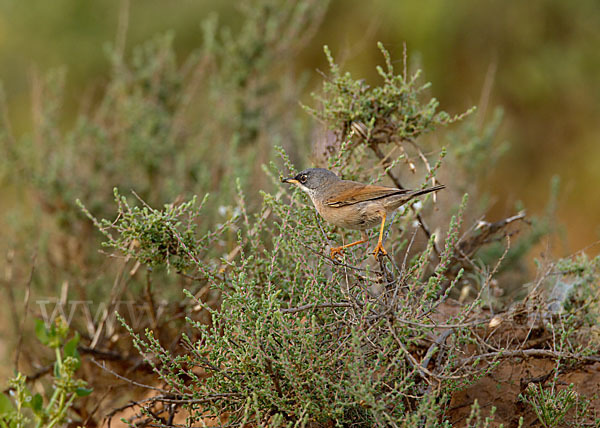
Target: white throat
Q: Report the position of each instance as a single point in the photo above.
(309, 192)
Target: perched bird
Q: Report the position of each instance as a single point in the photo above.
(353, 205)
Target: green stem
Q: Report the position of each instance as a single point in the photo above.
(58, 358)
(52, 400)
(56, 391)
(62, 410)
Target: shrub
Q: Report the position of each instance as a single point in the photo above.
(300, 339)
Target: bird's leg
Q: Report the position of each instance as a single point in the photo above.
(339, 250)
(379, 248)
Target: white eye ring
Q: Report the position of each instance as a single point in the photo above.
(303, 179)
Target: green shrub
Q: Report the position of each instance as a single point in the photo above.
(300, 339)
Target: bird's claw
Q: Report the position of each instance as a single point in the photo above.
(337, 251)
(379, 249)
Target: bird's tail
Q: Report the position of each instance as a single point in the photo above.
(428, 190)
(403, 196)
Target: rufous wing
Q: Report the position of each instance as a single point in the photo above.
(357, 192)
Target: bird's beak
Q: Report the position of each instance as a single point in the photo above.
(290, 180)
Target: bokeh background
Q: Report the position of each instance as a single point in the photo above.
(538, 60)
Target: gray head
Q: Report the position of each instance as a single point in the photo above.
(312, 179)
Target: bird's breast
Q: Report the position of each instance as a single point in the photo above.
(360, 216)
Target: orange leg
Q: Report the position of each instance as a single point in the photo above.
(379, 248)
(339, 250)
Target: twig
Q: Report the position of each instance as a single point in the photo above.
(123, 24)
(26, 310)
(106, 355)
(397, 183)
(460, 325)
(272, 374)
(416, 365)
(538, 353)
(426, 162)
(114, 293)
(427, 232)
(213, 397)
(141, 385)
(486, 90)
(150, 298)
(168, 398)
(331, 260)
(315, 306)
(469, 246)
(382, 158)
(8, 278)
(98, 404)
(439, 341)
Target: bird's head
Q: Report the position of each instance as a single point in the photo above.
(312, 179)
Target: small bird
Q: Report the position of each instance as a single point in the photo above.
(353, 205)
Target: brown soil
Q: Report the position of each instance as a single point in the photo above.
(501, 389)
(520, 329)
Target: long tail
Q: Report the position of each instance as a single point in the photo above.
(428, 190)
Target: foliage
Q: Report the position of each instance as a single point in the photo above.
(66, 388)
(154, 237)
(166, 127)
(303, 347)
(391, 111)
(301, 339)
(549, 405)
(161, 126)
(571, 314)
(475, 420)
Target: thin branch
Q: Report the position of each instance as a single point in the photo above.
(26, 310)
(416, 365)
(141, 385)
(438, 342)
(315, 306)
(115, 292)
(150, 298)
(537, 353)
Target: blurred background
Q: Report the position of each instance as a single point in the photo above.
(537, 60)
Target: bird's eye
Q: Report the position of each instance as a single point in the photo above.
(303, 178)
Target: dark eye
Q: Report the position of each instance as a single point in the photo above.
(303, 178)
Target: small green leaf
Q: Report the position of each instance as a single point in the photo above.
(52, 330)
(41, 331)
(70, 348)
(37, 403)
(6, 406)
(54, 338)
(82, 392)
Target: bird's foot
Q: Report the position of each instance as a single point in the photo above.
(379, 250)
(337, 251)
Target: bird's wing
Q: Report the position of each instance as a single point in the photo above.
(354, 193)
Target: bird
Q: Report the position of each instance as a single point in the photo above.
(353, 205)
